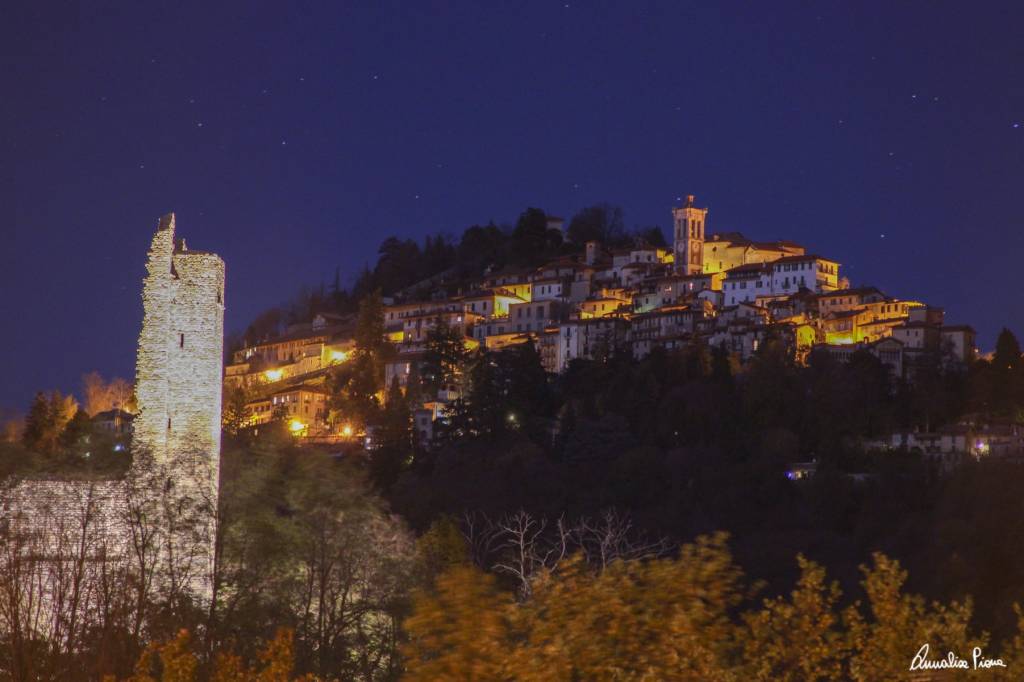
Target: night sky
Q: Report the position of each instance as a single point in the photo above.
(291, 138)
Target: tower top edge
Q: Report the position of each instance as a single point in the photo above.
(166, 222)
(690, 203)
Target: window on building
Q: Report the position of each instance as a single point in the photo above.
(181, 341)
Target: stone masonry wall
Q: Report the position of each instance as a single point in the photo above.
(176, 440)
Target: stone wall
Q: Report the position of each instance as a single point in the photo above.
(169, 497)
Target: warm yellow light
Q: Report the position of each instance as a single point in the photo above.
(273, 374)
(338, 356)
(295, 426)
(839, 338)
(346, 431)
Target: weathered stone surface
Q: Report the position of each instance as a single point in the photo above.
(173, 483)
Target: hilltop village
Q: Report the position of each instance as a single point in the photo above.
(723, 290)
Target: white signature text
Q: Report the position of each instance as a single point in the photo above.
(952, 661)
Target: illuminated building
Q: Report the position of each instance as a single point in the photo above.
(792, 273)
(489, 303)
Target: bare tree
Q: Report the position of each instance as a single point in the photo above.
(60, 578)
(522, 546)
(612, 538)
(526, 547)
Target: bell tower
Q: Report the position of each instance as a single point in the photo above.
(689, 237)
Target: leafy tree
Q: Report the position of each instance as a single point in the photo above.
(47, 418)
(1008, 354)
(443, 357)
(11, 429)
(101, 395)
(439, 548)
(652, 236)
(175, 661)
(267, 324)
(78, 431)
(459, 630)
(394, 447)
(369, 332)
(601, 222)
(481, 247)
(398, 264)
(234, 413)
(531, 239)
(901, 623)
(307, 546)
(482, 412)
(527, 392)
(507, 391)
(356, 385)
(800, 638)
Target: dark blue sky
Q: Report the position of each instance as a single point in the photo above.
(291, 138)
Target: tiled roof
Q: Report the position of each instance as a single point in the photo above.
(858, 291)
(801, 259)
(748, 269)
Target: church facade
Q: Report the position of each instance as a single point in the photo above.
(697, 254)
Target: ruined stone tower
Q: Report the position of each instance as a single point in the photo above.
(169, 495)
(176, 441)
(180, 359)
(689, 237)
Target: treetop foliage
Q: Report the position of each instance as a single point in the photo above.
(408, 269)
(691, 617)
